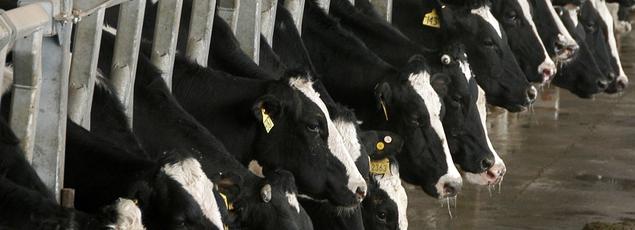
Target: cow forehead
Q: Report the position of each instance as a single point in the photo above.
(485, 13)
(190, 176)
(524, 5)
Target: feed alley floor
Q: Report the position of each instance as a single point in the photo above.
(565, 167)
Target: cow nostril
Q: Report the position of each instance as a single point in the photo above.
(450, 189)
(621, 85)
(487, 163)
(532, 93)
(360, 193)
(603, 84)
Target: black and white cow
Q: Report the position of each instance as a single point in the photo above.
(516, 18)
(621, 81)
(387, 201)
(557, 40)
(495, 67)
(461, 121)
(384, 99)
(27, 204)
(583, 76)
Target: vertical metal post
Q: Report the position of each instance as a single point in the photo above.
(324, 4)
(26, 93)
(126, 52)
(296, 8)
(248, 30)
(384, 7)
(200, 33)
(84, 64)
(268, 19)
(48, 158)
(166, 32)
(3, 57)
(227, 10)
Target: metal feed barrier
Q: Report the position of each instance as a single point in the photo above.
(50, 84)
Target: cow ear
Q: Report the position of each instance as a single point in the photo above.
(440, 82)
(383, 95)
(229, 184)
(268, 104)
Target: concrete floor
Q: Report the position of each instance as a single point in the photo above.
(565, 167)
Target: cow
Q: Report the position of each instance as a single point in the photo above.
(175, 128)
(516, 19)
(557, 40)
(461, 122)
(621, 81)
(495, 66)
(384, 99)
(387, 202)
(583, 76)
(27, 204)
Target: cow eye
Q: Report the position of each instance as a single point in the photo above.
(313, 127)
(489, 42)
(512, 16)
(381, 216)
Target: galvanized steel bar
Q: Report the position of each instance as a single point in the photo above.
(324, 4)
(268, 19)
(126, 52)
(248, 30)
(27, 74)
(296, 8)
(166, 32)
(3, 57)
(384, 7)
(227, 10)
(200, 33)
(84, 65)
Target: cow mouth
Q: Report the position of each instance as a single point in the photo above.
(492, 176)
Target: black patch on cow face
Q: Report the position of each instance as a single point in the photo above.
(298, 142)
(522, 40)
(462, 122)
(596, 30)
(378, 210)
(582, 76)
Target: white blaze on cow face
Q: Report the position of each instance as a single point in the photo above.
(391, 184)
(605, 14)
(547, 65)
(7, 80)
(189, 174)
(497, 171)
(349, 135)
(293, 201)
(487, 15)
(573, 15)
(565, 37)
(335, 143)
(128, 215)
(421, 83)
(466, 69)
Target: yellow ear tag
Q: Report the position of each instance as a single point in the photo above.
(383, 106)
(266, 120)
(431, 19)
(380, 146)
(229, 205)
(380, 167)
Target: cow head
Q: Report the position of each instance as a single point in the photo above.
(409, 106)
(386, 204)
(583, 76)
(298, 135)
(559, 43)
(463, 120)
(495, 66)
(264, 203)
(348, 126)
(515, 16)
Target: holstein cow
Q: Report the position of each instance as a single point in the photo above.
(495, 67)
(515, 16)
(558, 41)
(582, 76)
(27, 204)
(384, 99)
(254, 201)
(621, 81)
(461, 121)
(387, 202)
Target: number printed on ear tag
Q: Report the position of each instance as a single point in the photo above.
(266, 120)
(431, 19)
(380, 167)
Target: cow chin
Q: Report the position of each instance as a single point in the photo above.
(492, 176)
